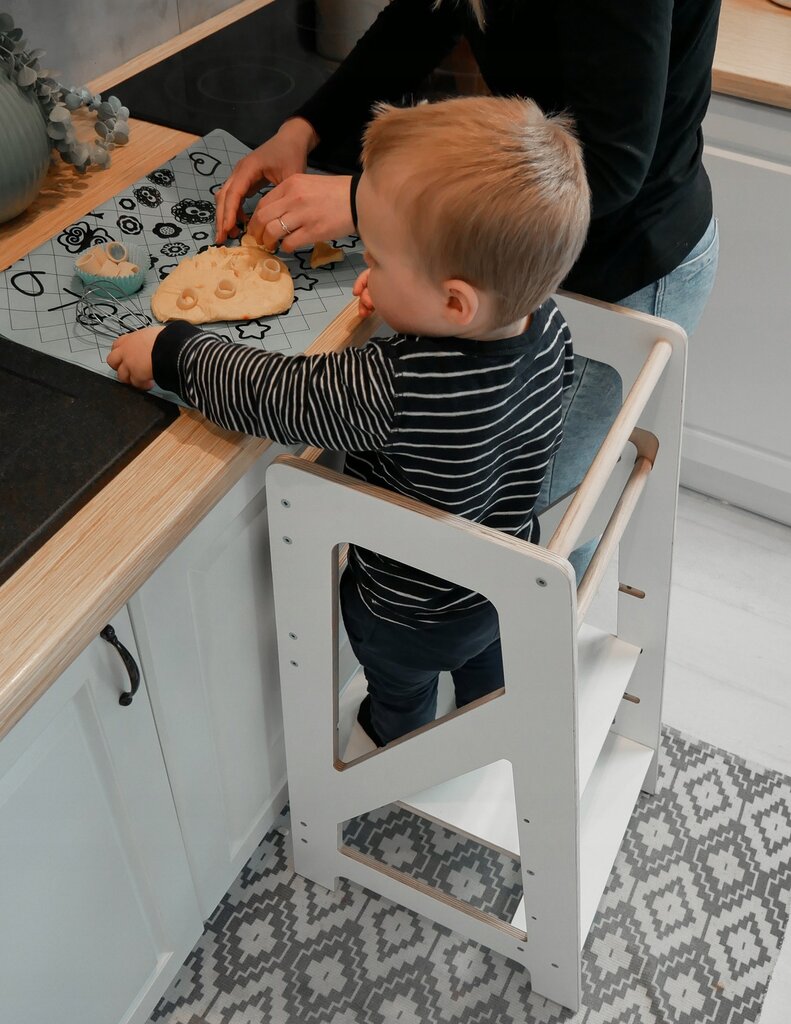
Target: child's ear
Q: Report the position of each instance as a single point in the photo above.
(462, 302)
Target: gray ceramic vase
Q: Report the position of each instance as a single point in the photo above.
(25, 148)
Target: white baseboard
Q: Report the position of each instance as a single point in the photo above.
(755, 480)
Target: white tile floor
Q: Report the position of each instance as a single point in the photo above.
(728, 674)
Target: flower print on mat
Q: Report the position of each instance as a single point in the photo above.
(193, 211)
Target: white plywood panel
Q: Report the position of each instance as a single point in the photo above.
(607, 806)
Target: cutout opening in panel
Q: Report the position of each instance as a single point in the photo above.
(363, 631)
(414, 841)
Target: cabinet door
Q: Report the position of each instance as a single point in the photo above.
(97, 907)
(204, 624)
(737, 439)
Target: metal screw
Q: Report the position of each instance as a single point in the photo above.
(541, 581)
(287, 540)
(292, 636)
(294, 663)
(285, 503)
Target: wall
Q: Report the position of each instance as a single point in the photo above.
(85, 38)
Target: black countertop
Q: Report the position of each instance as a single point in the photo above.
(64, 433)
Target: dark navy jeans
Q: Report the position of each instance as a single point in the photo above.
(402, 665)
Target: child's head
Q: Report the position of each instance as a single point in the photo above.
(472, 210)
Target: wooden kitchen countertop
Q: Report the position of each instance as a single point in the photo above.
(60, 599)
(753, 56)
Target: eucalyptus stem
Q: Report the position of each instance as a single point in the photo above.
(58, 102)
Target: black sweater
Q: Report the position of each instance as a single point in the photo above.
(635, 76)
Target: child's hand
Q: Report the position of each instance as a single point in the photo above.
(365, 306)
(130, 357)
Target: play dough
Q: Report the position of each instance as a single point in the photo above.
(106, 261)
(219, 283)
(324, 253)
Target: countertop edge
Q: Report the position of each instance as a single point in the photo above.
(59, 600)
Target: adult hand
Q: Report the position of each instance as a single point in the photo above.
(303, 209)
(365, 306)
(284, 154)
(130, 357)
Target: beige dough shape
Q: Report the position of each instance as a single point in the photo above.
(324, 253)
(225, 284)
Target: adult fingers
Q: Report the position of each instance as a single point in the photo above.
(299, 239)
(269, 207)
(242, 182)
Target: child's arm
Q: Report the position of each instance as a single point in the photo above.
(341, 400)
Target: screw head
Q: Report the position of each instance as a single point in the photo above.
(285, 503)
(292, 636)
(541, 581)
(294, 663)
(287, 540)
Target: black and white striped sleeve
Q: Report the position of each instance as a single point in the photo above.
(341, 400)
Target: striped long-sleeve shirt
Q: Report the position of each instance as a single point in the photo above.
(466, 426)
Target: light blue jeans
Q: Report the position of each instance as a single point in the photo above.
(592, 402)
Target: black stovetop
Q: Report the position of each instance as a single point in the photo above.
(246, 78)
(64, 433)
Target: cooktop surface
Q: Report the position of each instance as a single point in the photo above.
(64, 433)
(246, 78)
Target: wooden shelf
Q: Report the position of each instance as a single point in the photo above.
(604, 668)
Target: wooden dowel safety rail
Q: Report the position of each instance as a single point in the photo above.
(569, 529)
(647, 446)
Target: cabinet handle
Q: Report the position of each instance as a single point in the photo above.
(108, 634)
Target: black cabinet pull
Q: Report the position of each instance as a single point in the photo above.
(108, 634)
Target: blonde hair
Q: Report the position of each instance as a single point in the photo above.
(493, 192)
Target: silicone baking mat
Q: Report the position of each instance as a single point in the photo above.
(169, 213)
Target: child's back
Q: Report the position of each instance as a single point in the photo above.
(472, 427)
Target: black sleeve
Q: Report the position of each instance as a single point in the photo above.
(342, 400)
(405, 43)
(613, 60)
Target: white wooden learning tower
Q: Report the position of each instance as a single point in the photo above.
(550, 767)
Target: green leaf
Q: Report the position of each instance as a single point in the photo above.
(59, 113)
(6, 22)
(27, 76)
(115, 103)
(56, 131)
(121, 135)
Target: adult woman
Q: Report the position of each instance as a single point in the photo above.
(635, 77)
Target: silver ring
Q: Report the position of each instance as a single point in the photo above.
(284, 226)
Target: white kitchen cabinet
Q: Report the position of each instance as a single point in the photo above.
(204, 625)
(737, 439)
(97, 906)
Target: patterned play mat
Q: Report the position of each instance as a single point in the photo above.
(169, 214)
(688, 930)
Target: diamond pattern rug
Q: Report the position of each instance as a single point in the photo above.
(687, 932)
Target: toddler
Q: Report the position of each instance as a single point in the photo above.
(472, 211)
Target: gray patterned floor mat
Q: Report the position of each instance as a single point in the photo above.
(688, 930)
